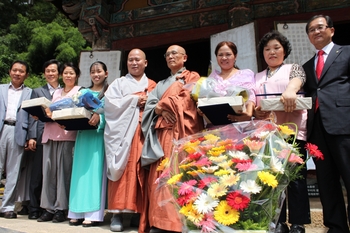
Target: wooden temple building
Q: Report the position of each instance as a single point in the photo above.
(153, 25)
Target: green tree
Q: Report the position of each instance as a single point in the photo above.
(36, 34)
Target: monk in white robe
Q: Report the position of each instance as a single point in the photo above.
(124, 103)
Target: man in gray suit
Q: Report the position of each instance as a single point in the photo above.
(51, 74)
(328, 124)
(13, 132)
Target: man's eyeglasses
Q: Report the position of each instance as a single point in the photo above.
(173, 52)
(319, 28)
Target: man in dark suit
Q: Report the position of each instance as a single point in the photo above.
(13, 132)
(328, 83)
(51, 74)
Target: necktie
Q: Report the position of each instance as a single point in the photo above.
(320, 63)
(319, 68)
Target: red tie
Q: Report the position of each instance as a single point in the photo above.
(319, 68)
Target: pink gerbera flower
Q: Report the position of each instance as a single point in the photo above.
(187, 187)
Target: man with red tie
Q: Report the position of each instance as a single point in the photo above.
(328, 125)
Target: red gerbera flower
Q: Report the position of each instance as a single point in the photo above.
(206, 181)
(239, 147)
(235, 160)
(185, 199)
(194, 156)
(237, 201)
(314, 151)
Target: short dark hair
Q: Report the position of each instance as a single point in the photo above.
(328, 19)
(22, 63)
(50, 62)
(229, 44)
(274, 35)
(70, 64)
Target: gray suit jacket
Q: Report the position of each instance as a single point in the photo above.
(22, 123)
(36, 128)
(332, 90)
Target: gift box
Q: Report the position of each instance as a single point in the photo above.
(73, 118)
(36, 107)
(216, 109)
(274, 104)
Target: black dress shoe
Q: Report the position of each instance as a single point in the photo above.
(295, 228)
(46, 216)
(24, 211)
(75, 222)
(2, 214)
(282, 227)
(34, 215)
(90, 224)
(59, 216)
(10, 214)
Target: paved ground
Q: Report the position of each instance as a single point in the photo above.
(23, 225)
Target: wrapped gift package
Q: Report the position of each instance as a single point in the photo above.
(216, 109)
(236, 102)
(274, 104)
(73, 118)
(36, 107)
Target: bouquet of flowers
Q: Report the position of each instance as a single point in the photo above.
(233, 178)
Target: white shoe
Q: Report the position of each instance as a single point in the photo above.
(116, 223)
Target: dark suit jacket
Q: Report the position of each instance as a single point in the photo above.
(22, 123)
(333, 91)
(37, 127)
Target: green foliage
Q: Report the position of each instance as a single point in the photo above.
(33, 81)
(39, 33)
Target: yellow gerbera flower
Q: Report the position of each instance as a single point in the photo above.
(267, 178)
(186, 209)
(225, 214)
(218, 159)
(174, 179)
(195, 172)
(195, 217)
(286, 130)
(229, 180)
(222, 172)
(226, 164)
(217, 190)
(163, 164)
(185, 166)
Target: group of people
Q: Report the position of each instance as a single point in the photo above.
(139, 120)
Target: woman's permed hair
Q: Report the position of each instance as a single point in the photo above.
(274, 35)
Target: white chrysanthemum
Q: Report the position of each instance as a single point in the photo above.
(238, 154)
(210, 169)
(205, 203)
(276, 165)
(250, 186)
(262, 134)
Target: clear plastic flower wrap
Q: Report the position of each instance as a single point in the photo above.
(208, 87)
(232, 178)
(82, 98)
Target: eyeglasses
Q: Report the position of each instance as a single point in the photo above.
(173, 52)
(319, 28)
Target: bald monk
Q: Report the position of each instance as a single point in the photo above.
(124, 104)
(169, 114)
